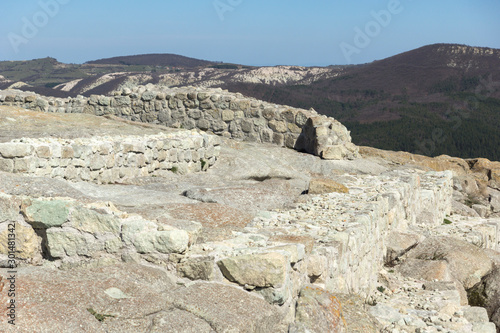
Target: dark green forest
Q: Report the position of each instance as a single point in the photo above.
(462, 124)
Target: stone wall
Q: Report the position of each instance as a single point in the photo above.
(214, 110)
(350, 230)
(337, 241)
(107, 160)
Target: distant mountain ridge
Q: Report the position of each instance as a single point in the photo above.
(158, 59)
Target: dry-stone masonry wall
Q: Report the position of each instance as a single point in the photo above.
(227, 114)
(346, 232)
(110, 159)
(335, 240)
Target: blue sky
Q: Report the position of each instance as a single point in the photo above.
(252, 32)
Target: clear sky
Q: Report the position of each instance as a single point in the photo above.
(251, 32)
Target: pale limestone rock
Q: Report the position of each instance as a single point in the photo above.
(429, 270)
(316, 268)
(146, 238)
(63, 242)
(475, 314)
(449, 286)
(295, 252)
(15, 150)
(278, 126)
(24, 165)
(227, 115)
(6, 165)
(10, 207)
(482, 210)
(333, 152)
(27, 242)
(259, 270)
(197, 268)
(90, 221)
(399, 243)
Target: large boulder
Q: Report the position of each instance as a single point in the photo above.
(487, 294)
(466, 262)
(399, 243)
(428, 270)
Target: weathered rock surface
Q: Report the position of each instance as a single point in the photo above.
(487, 294)
(466, 262)
(258, 270)
(233, 248)
(318, 311)
(322, 186)
(228, 309)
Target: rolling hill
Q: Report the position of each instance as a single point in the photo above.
(154, 60)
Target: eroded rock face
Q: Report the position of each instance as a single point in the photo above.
(228, 309)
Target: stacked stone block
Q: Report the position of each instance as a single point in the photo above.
(217, 111)
(107, 160)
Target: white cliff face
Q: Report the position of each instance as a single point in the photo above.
(456, 55)
(68, 86)
(462, 49)
(213, 77)
(284, 75)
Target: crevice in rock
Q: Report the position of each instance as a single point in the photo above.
(212, 325)
(42, 233)
(268, 177)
